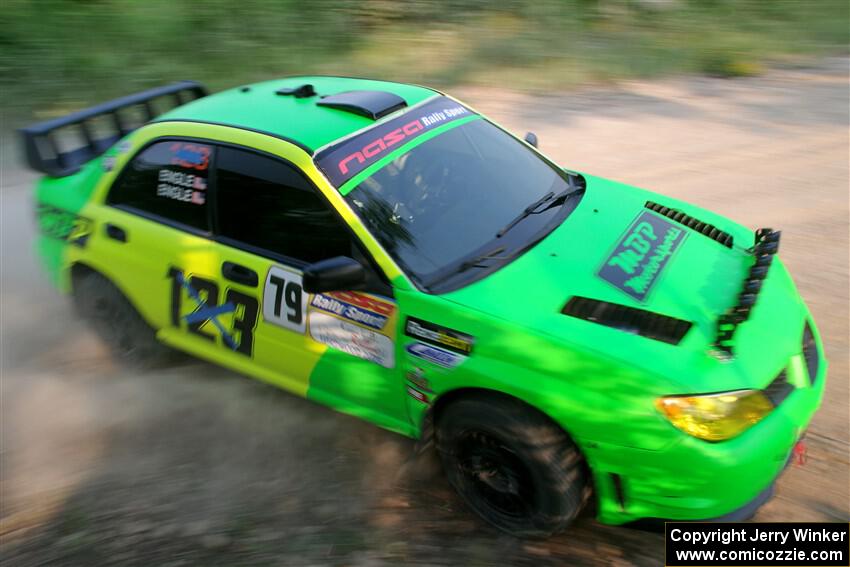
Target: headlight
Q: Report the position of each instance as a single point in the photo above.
(715, 417)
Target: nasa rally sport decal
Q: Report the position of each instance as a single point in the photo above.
(343, 161)
(642, 254)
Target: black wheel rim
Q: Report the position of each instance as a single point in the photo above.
(495, 480)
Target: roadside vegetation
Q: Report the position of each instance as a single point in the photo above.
(58, 55)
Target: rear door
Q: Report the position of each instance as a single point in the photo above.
(338, 347)
(156, 217)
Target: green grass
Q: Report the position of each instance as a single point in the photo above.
(58, 55)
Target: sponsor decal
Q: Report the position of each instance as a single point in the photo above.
(352, 339)
(63, 225)
(284, 300)
(416, 376)
(438, 335)
(435, 355)
(641, 255)
(417, 395)
(123, 146)
(359, 308)
(108, 163)
(186, 187)
(190, 156)
(346, 159)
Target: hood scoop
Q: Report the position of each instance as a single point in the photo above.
(628, 319)
(696, 225)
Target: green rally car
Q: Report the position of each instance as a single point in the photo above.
(385, 250)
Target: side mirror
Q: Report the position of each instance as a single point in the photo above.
(334, 274)
(531, 138)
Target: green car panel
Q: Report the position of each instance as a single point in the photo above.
(599, 383)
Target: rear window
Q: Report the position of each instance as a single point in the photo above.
(169, 181)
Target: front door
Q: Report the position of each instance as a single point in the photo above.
(338, 347)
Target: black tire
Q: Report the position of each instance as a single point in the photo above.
(512, 465)
(131, 340)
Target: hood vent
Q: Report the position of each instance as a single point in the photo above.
(628, 319)
(704, 228)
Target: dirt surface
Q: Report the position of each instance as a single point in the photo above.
(199, 466)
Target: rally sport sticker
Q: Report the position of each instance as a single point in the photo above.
(352, 339)
(357, 307)
(641, 255)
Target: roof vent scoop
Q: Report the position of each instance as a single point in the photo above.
(628, 319)
(371, 104)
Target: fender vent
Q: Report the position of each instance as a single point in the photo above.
(629, 319)
(779, 389)
(810, 353)
(704, 228)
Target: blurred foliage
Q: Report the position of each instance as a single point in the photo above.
(56, 55)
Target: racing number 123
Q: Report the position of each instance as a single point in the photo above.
(204, 294)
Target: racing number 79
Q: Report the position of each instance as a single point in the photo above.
(291, 292)
(204, 293)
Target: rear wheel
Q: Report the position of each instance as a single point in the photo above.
(511, 465)
(131, 340)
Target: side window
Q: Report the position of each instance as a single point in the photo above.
(169, 180)
(265, 203)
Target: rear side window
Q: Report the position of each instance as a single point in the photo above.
(267, 204)
(168, 180)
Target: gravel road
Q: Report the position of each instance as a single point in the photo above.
(199, 466)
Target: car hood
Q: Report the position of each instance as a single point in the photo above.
(683, 274)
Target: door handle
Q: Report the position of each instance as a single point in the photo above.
(116, 232)
(239, 274)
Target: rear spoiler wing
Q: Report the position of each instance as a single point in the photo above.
(45, 152)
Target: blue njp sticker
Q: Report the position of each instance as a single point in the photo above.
(641, 255)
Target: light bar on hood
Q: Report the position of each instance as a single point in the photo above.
(765, 248)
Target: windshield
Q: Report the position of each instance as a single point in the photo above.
(458, 203)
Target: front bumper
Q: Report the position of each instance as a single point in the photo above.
(697, 480)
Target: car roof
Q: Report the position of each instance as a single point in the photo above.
(299, 119)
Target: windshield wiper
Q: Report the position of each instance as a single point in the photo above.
(529, 210)
(542, 204)
(476, 261)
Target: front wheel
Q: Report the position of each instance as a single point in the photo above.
(511, 465)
